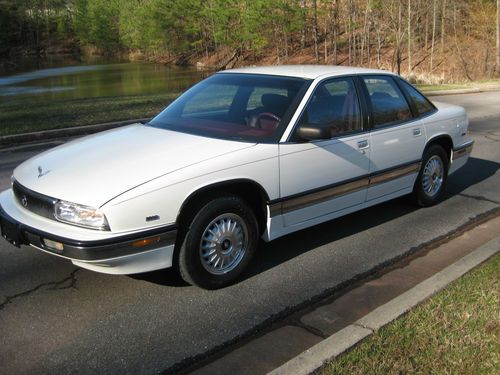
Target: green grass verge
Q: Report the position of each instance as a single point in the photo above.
(19, 118)
(444, 87)
(455, 332)
(457, 86)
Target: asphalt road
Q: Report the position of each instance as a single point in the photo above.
(56, 318)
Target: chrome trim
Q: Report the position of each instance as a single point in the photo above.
(363, 144)
(275, 209)
(463, 150)
(323, 195)
(394, 173)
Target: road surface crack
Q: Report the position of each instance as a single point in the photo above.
(479, 198)
(315, 331)
(66, 283)
(491, 139)
(356, 324)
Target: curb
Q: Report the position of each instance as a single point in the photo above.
(44, 135)
(315, 357)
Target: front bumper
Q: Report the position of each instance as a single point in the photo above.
(137, 252)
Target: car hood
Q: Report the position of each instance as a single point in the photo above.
(97, 168)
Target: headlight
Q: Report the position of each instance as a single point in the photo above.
(83, 216)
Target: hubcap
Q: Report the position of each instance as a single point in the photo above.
(432, 177)
(223, 244)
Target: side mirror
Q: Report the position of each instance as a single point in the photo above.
(313, 132)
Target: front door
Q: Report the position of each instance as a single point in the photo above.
(320, 178)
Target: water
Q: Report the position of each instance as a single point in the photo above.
(78, 81)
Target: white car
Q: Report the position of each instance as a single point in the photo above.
(245, 154)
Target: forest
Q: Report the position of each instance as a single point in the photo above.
(430, 41)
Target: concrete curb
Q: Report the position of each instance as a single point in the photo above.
(15, 139)
(316, 356)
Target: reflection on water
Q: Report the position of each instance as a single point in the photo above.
(88, 81)
(46, 73)
(20, 90)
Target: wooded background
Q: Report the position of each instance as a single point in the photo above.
(426, 40)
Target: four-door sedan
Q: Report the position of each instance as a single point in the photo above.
(245, 154)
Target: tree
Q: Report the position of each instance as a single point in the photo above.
(498, 38)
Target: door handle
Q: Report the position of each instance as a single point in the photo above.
(417, 132)
(363, 144)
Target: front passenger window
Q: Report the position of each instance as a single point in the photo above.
(334, 105)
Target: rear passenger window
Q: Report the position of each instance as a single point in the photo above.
(334, 104)
(388, 103)
(423, 105)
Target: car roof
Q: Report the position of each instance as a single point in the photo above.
(306, 71)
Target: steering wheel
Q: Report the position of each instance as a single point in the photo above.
(255, 121)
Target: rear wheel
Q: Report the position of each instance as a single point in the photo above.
(431, 181)
(219, 243)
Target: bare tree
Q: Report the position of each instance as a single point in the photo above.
(409, 36)
(498, 38)
(398, 36)
(315, 30)
(433, 34)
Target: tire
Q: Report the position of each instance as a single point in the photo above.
(431, 181)
(219, 243)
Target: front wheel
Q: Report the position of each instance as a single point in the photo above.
(219, 243)
(431, 181)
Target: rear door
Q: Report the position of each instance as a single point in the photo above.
(397, 137)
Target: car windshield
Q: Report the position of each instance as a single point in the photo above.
(247, 107)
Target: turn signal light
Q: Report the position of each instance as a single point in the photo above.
(146, 241)
(53, 245)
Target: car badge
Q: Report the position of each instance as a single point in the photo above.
(41, 173)
(24, 201)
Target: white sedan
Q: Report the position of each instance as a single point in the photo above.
(245, 154)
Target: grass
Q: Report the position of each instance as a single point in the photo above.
(455, 332)
(443, 87)
(16, 118)
(455, 86)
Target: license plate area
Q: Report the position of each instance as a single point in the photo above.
(11, 232)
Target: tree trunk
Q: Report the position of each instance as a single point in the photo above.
(327, 22)
(398, 36)
(364, 40)
(315, 30)
(426, 32)
(304, 23)
(409, 36)
(433, 35)
(498, 38)
(443, 31)
(335, 31)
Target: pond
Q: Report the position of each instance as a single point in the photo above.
(94, 79)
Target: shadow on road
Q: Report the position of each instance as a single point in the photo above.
(472, 173)
(283, 249)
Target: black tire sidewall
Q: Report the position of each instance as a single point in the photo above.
(190, 266)
(421, 197)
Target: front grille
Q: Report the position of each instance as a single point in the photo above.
(37, 203)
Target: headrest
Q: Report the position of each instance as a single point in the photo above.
(275, 103)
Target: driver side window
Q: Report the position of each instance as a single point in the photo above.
(334, 105)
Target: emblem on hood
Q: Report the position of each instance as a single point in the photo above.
(41, 172)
